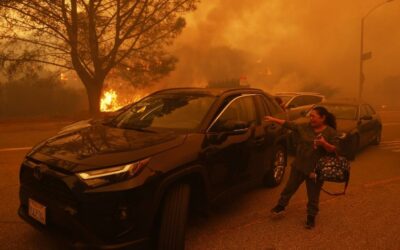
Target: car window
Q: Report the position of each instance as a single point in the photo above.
(263, 106)
(309, 99)
(271, 106)
(241, 109)
(370, 110)
(342, 111)
(169, 111)
(363, 111)
(298, 101)
(285, 98)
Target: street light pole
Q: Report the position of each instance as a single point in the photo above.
(365, 56)
(361, 77)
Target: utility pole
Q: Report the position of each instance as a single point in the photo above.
(364, 56)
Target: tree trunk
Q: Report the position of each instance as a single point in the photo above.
(94, 92)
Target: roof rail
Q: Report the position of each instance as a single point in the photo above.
(298, 93)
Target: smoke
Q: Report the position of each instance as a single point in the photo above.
(282, 45)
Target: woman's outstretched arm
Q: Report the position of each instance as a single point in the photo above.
(284, 123)
(273, 119)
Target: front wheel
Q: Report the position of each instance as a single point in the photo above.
(173, 218)
(378, 138)
(354, 147)
(275, 175)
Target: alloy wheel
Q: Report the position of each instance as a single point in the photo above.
(279, 165)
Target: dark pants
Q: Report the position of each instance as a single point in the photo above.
(313, 190)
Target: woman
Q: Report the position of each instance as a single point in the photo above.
(315, 139)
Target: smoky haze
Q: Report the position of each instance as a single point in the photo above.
(291, 45)
(276, 45)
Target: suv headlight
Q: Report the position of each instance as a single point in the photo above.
(104, 176)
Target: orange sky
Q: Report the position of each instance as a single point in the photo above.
(282, 44)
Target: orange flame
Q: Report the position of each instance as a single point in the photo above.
(111, 101)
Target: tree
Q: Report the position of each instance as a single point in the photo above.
(92, 37)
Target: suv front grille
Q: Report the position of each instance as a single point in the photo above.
(48, 184)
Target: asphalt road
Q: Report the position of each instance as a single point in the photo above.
(367, 217)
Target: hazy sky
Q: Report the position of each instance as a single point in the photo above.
(284, 44)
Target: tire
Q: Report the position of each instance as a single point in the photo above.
(354, 147)
(276, 168)
(173, 218)
(378, 138)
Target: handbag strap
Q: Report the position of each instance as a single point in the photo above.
(346, 184)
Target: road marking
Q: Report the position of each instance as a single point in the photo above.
(14, 149)
(382, 182)
(390, 142)
(390, 147)
(391, 124)
(389, 111)
(393, 146)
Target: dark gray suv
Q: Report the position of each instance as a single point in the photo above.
(130, 180)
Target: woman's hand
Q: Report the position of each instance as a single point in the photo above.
(321, 141)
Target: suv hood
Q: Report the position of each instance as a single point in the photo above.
(97, 146)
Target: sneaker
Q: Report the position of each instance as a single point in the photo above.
(310, 223)
(278, 209)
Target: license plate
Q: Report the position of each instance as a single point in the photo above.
(37, 211)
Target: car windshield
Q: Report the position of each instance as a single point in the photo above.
(285, 98)
(168, 111)
(343, 111)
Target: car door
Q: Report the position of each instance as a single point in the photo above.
(376, 122)
(270, 131)
(365, 126)
(226, 154)
(371, 123)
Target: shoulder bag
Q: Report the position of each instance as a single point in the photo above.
(333, 168)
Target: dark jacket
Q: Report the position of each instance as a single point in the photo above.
(306, 155)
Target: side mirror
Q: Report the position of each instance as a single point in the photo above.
(366, 117)
(232, 127)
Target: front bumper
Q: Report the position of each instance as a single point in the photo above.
(86, 221)
(72, 241)
(66, 227)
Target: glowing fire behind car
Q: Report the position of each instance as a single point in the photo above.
(112, 101)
